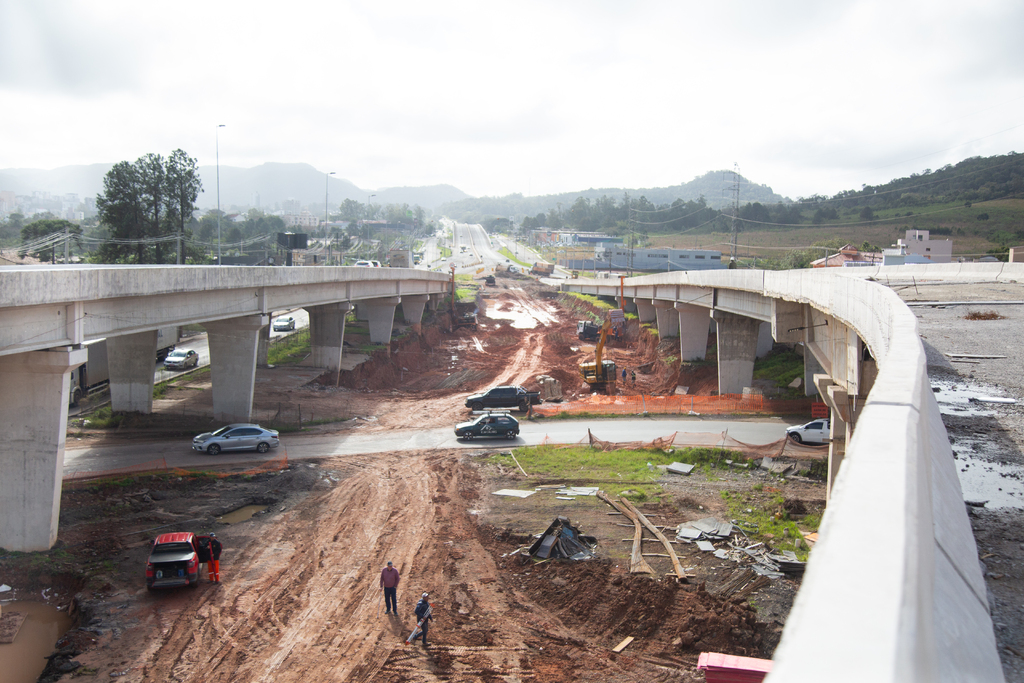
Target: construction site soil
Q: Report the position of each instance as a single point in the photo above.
(299, 597)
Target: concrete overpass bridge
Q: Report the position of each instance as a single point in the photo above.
(47, 314)
(894, 590)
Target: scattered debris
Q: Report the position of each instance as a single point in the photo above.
(776, 467)
(578, 491)
(992, 399)
(10, 624)
(563, 540)
(679, 468)
(514, 492)
(709, 528)
(637, 563)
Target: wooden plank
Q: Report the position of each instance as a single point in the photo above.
(622, 646)
(637, 563)
(661, 537)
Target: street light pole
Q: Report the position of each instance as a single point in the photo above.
(327, 220)
(219, 126)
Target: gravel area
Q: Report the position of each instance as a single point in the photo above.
(988, 439)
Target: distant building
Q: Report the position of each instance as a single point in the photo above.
(617, 257)
(917, 242)
(1016, 254)
(848, 256)
(547, 236)
(301, 220)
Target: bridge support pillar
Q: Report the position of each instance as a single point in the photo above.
(131, 359)
(380, 313)
(765, 343)
(668, 319)
(233, 345)
(840, 426)
(628, 305)
(263, 348)
(412, 310)
(34, 397)
(327, 334)
(645, 310)
(694, 328)
(737, 348)
(433, 300)
(811, 368)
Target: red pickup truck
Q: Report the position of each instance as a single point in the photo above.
(173, 561)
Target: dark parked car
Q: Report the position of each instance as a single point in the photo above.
(510, 396)
(491, 424)
(173, 561)
(180, 359)
(236, 437)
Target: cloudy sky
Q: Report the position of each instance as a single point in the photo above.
(530, 97)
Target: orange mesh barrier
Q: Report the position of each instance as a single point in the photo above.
(782, 448)
(678, 405)
(155, 466)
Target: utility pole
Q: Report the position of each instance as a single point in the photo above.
(735, 210)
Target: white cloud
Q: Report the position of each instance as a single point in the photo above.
(530, 97)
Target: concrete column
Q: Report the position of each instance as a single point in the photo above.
(764, 340)
(380, 313)
(412, 309)
(629, 305)
(233, 345)
(811, 368)
(263, 348)
(327, 334)
(131, 360)
(668, 319)
(433, 301)
(693, 331)
(34, 393)
(645, 310)
(737, 348)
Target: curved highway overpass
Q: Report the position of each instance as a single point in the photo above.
(893, 590)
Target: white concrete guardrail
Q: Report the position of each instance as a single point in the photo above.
(893, 590)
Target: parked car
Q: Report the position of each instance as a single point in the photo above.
(284, 324)
(180, 359)
(236, 437)
(491, 424)
(508, 396)
(364, 264)
(173, 561)
(815, 431)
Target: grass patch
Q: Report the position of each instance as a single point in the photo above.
(445, 252)
(504, 251)
(782, 366)
(291, 349)
(631, 473)
(596, 301)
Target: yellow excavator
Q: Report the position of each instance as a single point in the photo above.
(600, 373)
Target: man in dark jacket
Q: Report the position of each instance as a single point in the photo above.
(423, 614)
(389, 579)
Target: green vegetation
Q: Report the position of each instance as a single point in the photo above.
(445, 252)
(291, 349)
(504, 251)
(781, 366)
(766, 519)
(618, 471)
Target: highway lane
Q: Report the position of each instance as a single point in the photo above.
(361, 440)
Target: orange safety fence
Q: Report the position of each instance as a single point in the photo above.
(158, 466)
(678, 405)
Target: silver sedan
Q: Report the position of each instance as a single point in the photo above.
(236, 437)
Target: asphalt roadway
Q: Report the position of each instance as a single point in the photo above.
(361, 440)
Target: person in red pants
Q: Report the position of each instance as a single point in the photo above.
(214, 566)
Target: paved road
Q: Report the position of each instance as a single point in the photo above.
(360, 440)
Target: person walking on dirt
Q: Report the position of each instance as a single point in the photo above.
(389, 579)
(634, 377)
(214, 566)
(424, 615)
(623, 376)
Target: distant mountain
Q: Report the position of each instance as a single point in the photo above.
(266, 186)
(715, 186)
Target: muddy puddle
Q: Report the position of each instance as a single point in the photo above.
(23, 660)
(241, 514)
(982, 476)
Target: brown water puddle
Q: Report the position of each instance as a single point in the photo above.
(241, 514)
(23, 660)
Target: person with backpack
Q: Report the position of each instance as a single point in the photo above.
(424, 615)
